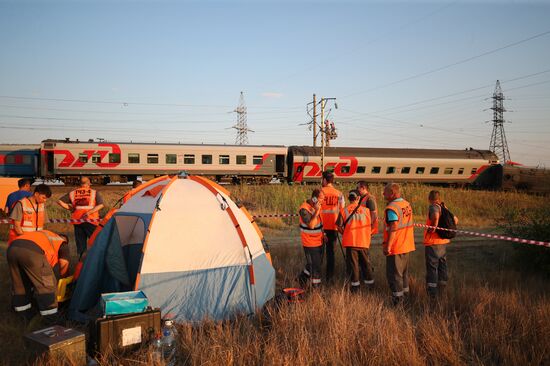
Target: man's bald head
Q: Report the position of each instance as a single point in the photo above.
(392, 191)
(85, 181)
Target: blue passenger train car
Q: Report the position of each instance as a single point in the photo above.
(19, 160)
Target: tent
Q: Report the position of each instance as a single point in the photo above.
(181, 240)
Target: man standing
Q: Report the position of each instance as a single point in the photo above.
(435, 250)
(29, 214)
(330, 209)
(36, 261)
(84, 203)
(398, 241)
(24, 185)
(369, 202)
(311, 233)
(354, 223)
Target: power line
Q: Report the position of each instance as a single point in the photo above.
(449, 65)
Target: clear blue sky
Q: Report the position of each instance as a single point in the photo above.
(405, 74)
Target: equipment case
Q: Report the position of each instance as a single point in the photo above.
(124, 332)
(57, 343)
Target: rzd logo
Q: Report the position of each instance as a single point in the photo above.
(310, 169)
(69, 161)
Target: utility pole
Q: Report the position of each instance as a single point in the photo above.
(499, 145)
(324, 130)
(314, 121)
(241, 126)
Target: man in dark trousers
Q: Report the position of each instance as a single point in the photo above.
(84, 203)
(36, 261)
(331, 206)
(311, 233)
(435, 250)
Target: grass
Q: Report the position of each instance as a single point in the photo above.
(493, 313)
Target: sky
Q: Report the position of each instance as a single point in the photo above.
(405, 74)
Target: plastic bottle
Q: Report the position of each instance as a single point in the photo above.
(169, 334)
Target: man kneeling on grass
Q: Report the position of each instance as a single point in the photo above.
(311, 233)
(355, 225)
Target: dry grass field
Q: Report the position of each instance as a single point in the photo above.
(494, 312)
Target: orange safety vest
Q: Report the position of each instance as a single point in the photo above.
(311, 237)
(83, 200)
(364, 203)
(48, 241)
(330, 207)
(357, 232)
(31, 220)
(404, 235)
(432, 238)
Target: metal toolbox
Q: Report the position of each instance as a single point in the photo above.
(57, 343)
(124, 332)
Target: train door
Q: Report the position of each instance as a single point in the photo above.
(48, 167)
(280, 164)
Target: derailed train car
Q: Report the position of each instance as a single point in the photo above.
(459, 167)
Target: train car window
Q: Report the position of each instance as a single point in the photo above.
(345, 169)
(114, 158)
(434, 170)
(448, 171)
(171, 158)
(189, 159)
(96, 158)
(10, 159)
(257, 159)
(474, 170)
(241, 159)
(27, 159)
(83, 158)
(133, 158)
(152, 158)
(207, 159)
(375, 170)
(390, 170)
(460, 170)
(224, 159)
(420, 170)
(361, 169)
(406, 170)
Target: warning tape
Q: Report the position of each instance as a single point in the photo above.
(59, 221)
(465, 232)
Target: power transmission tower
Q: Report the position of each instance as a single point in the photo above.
(241, 126)
(499, 145)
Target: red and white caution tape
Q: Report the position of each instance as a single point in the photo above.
(465, 232)
(59, 221)
(492, 236)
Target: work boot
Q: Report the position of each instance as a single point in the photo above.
(53, 319)
(354, 289)
(442, 286)
(302, 279)
(398, 301)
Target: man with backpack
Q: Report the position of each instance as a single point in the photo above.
(435, 243)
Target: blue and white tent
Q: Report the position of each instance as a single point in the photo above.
(187, 246)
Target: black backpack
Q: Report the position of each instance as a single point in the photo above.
(446, 221)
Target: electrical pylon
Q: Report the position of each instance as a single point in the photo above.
(241, 126)
(499, 145)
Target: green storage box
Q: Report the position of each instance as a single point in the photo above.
(118, 303)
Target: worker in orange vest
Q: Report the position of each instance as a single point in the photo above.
(84, 204)
(369, 202)
(398, 241)
(311, 233)
(29, 213)
(435, 248)
(355, 226)
(330, 209)
(36, 261)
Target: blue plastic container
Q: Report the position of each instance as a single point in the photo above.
(117, 303)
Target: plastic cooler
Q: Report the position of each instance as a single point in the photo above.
(117, 303)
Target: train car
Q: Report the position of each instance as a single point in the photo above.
(532, 179)
(120, 162)
(457, 167)
(19, 160)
